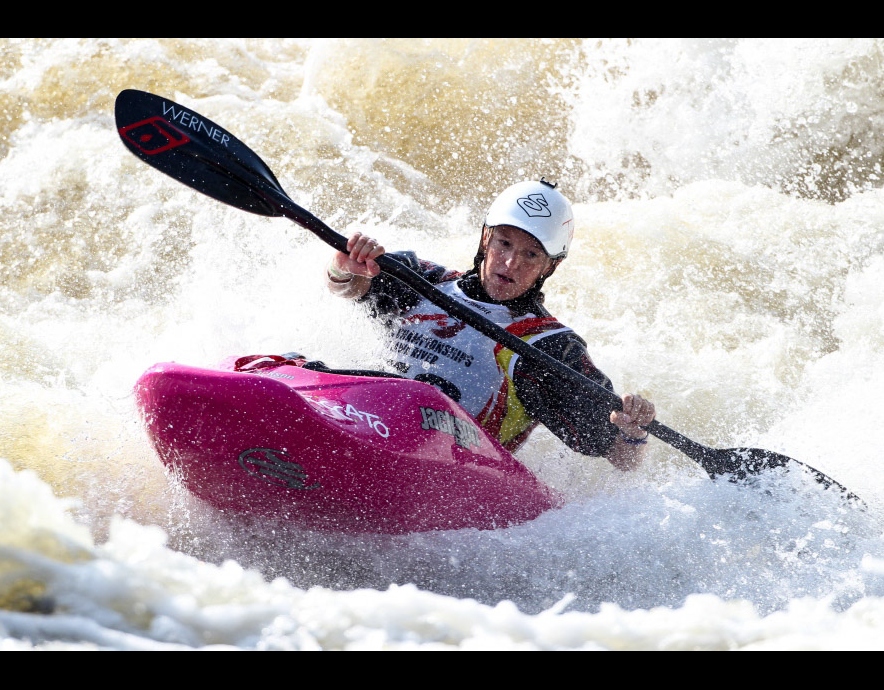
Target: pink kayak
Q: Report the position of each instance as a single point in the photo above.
(332, 451)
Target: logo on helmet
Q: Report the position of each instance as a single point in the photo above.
(535, 206)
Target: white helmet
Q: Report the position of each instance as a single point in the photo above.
(538, 209)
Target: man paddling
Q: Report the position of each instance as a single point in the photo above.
(526, 234)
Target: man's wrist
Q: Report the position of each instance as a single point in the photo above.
(336, 275)
(633, 441)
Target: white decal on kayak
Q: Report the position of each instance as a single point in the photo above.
(274, 375)
(348, 413)
(465, 433)
(272, 466)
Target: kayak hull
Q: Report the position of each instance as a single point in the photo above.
(333, 452)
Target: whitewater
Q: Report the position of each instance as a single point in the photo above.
(728, 264)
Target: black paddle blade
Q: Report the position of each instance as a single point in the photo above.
(195, 151)
(738, 464)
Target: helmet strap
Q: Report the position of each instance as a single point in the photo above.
(483, 246)
(534, 290)
(552, 269)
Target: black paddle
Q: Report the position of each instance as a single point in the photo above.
(195, 151)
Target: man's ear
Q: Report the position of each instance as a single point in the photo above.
(486, 238)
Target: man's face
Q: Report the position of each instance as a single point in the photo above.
(514, 260)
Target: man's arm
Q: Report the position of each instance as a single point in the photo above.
(570, 412)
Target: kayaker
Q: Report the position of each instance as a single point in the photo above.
(526, 234)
